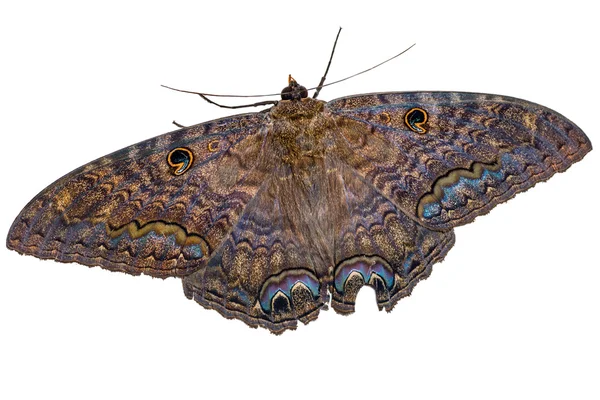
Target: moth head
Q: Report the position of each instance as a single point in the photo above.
(293, 91)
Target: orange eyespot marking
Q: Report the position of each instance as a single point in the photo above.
(415, 118)
(213, 146)
(385, 118)
(181, 159)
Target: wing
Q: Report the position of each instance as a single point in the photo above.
(305, 234)
(444, 158)
(271, 271)
(159, 207)
(379, 246)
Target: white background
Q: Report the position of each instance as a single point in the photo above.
(512, 312)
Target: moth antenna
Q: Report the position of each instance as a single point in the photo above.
(222, 95)
(320, 85)
(179, 125)
(203, 95)
(366, 70)
(273, 102)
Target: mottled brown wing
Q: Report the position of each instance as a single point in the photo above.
(444, 158)
(310, 231)
(159, 207)
(272, 270)
(379, 246)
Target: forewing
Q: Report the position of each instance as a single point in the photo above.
(445, 158)
(159, 207)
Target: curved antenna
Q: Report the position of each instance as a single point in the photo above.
(204, 97)
(366, 70)
(322, 81)
(319, 87)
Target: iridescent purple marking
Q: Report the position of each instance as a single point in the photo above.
(453, 198)
(284, 284)
(366, 268)
(407, 266)
(193, 251)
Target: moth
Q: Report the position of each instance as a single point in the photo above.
(269, 217)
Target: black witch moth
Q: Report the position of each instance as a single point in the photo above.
(269, 217)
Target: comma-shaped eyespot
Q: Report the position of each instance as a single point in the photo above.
(213, 146)
(181, 159)
(415, 118)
